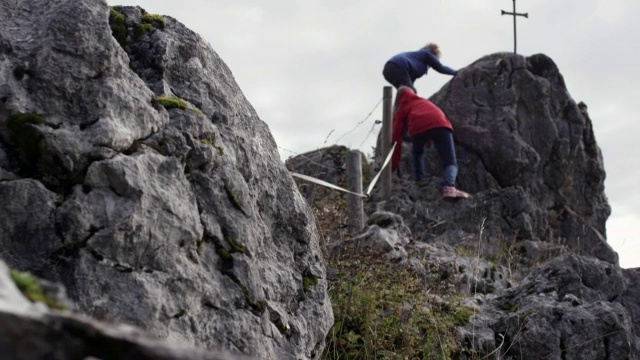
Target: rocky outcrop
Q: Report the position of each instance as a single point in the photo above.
(134, 171)
(526, 150)
(572, 308)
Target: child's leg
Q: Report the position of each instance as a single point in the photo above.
(418, 143)
(443, 140)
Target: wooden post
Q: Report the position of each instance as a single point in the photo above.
(355, 205)
(387, 114)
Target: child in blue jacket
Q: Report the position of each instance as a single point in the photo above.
(406, 67)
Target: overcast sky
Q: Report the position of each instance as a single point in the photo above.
(312, 69)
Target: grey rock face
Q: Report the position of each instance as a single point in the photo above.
(30, 331)
(183, 221)
(573, 308)
(386, 233)
(526, 150)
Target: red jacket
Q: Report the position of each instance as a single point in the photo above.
(417, 115)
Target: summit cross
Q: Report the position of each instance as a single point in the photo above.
(514, 13)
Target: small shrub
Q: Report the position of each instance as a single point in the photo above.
(383, 311)
(171, 102)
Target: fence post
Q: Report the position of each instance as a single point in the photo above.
(387, 112)
(355, 205)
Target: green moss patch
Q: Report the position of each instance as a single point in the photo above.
(155, 20)
(234, 199)
(257, 306)
(142, 29)
(235, 247)
(461, 315)
(30, 288)
(171, 102)
(308, 281)
(118, 26)
(210, 142)
(224, 254)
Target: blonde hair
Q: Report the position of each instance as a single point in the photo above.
(434, 49)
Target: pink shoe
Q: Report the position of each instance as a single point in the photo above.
(450, 192)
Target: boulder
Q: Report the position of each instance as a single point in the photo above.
(134, 171)
(525, 149)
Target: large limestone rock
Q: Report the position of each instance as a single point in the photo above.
(182, 221)
(525, 149)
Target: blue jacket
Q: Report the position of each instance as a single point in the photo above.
(417, 63)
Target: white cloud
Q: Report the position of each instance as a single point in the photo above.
(624, 236)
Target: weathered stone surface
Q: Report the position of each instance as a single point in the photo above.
(183, 222)
(31, 331)
(572, 308)
(27, 226)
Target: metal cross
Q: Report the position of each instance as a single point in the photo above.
(514, 13)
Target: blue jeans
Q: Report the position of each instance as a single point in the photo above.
(396, 75)
(443, 140)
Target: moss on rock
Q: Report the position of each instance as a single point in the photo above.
(155, 20)
(235, 247)
(31, 289)
(142, 29)
(171, 102)
(210, 142)
(234, 199)
(118, 26)
(224, 253)
(308, 281)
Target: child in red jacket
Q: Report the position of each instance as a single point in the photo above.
(425, 122)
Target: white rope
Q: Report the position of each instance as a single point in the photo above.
(386, 162)
(324, 183)
(329, 185)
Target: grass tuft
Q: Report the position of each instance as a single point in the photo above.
(30, 288)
